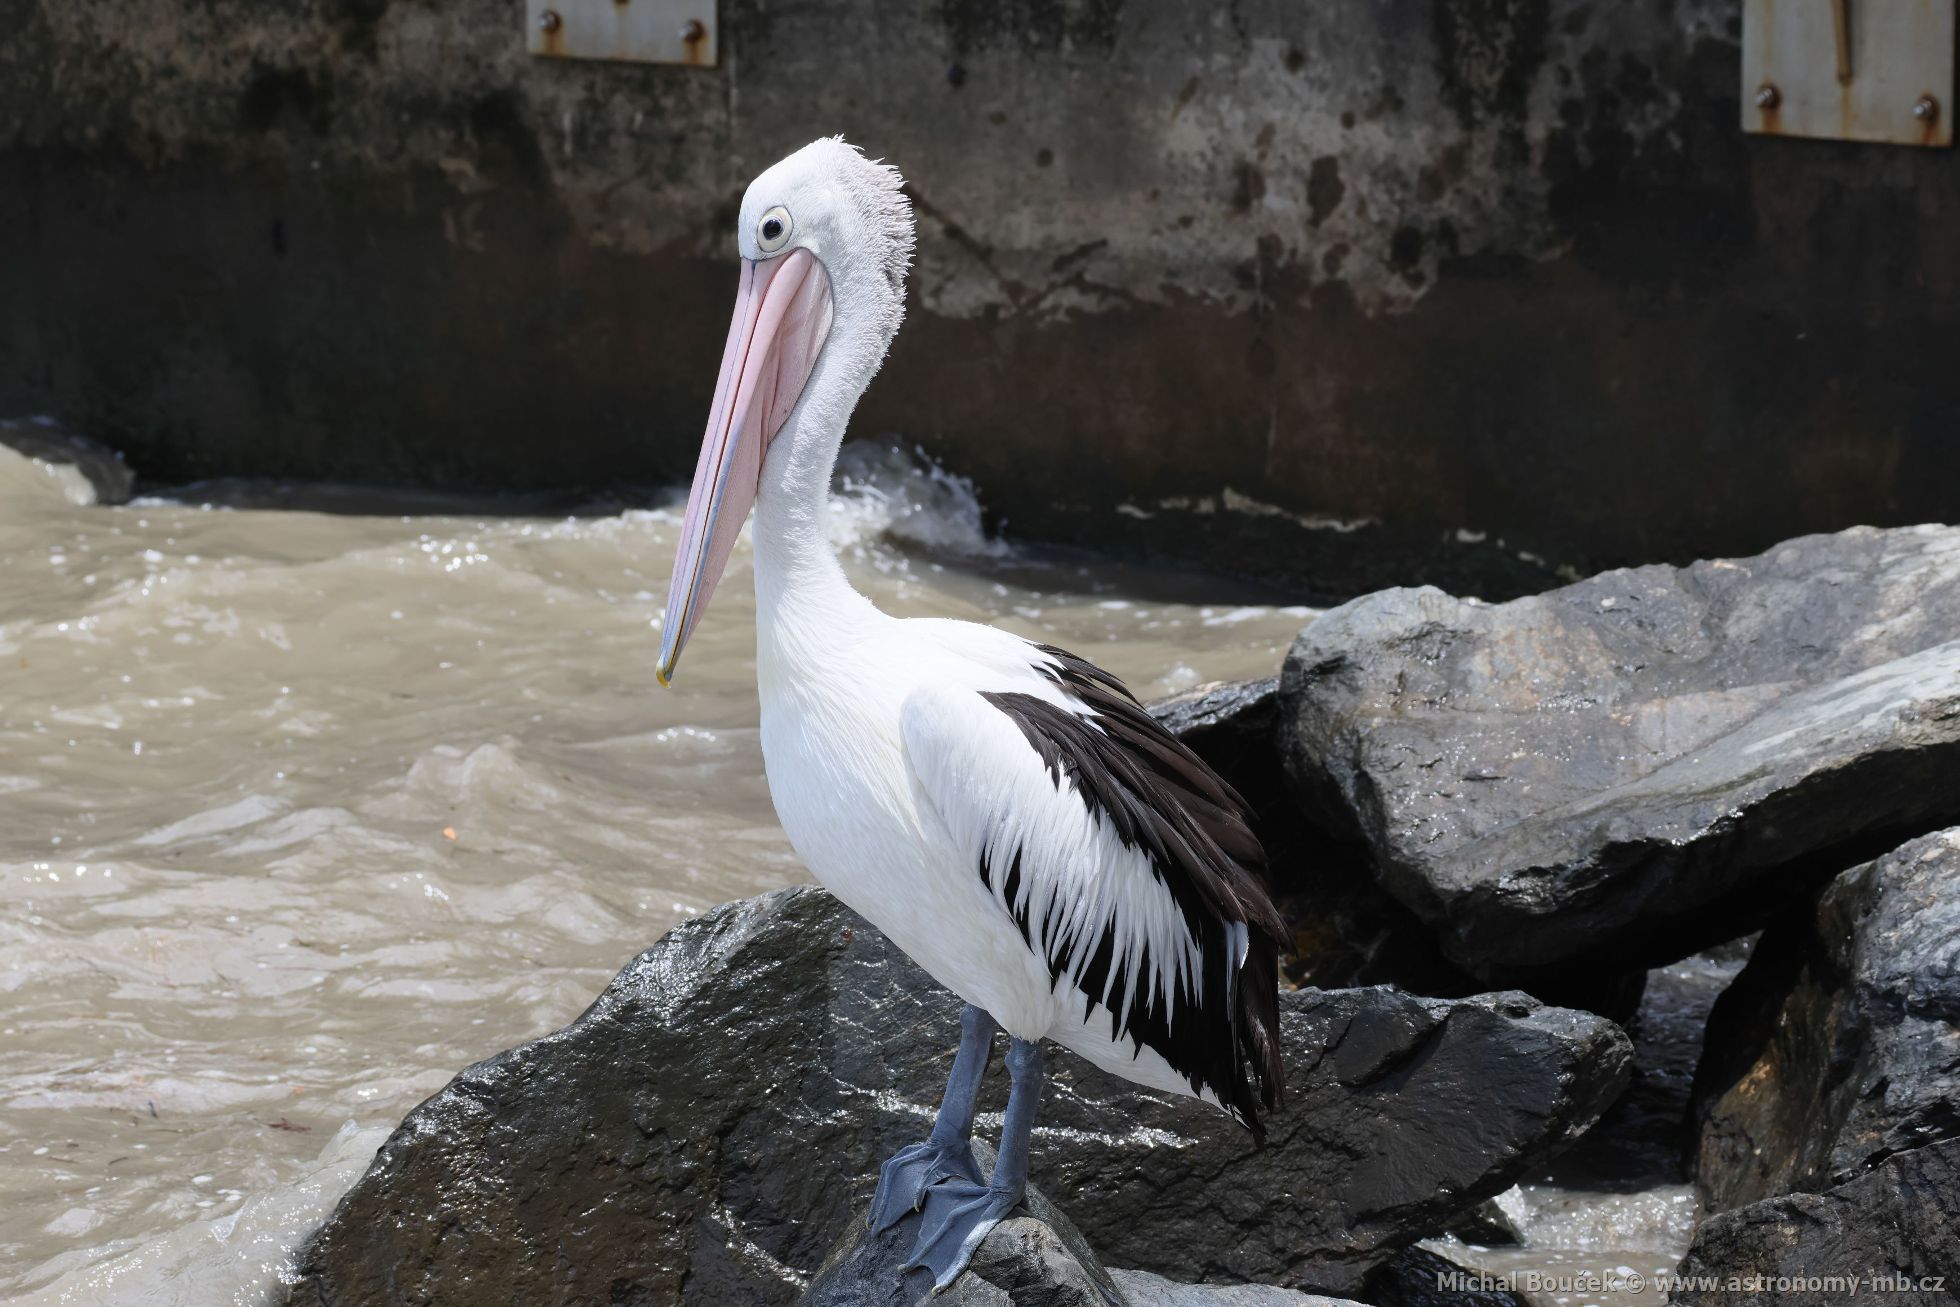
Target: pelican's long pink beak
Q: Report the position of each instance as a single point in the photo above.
(782, 318)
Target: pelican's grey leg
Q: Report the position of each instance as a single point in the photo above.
(960, 1213)
(946, 1154)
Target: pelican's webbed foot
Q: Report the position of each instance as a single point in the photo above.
(911, 1173)
(959, 1216)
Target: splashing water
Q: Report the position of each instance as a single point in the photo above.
(887, 490)
(308, 812)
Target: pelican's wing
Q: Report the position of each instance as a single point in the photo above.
(1128, 866)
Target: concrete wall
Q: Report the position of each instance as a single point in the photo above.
(1461, 268)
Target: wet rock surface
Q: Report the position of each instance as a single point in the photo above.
(1422, 1277)
(1625, 770)
(714, 1120)
(1230, 724)
(1839, 1045)
(1896, 1227)
(1034, 1258)
(1347, 930)
(1645, 1139)
(1142, 1289)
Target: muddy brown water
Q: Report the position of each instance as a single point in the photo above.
(305, 812)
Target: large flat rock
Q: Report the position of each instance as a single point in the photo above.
(707, 1129)
(1839, 1045)
(1630, 768)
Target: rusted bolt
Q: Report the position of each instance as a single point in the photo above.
(549, 21)
(1768, 97)
(694, 31)
(1926, 109)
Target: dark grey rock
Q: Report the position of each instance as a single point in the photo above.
(1645, 1139)
(1839, 1045)
(1488, 1225)
(1035, 1258)
(1231, 724)
(1142, 1289)
(1897, 1224)
(708, 1127)
(1347, 930)
(1628, 769)
(1422, 1277)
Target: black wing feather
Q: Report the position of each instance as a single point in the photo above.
(1156, 795)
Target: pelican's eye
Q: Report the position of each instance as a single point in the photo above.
(773, 231)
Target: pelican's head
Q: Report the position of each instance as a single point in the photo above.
(825, 238)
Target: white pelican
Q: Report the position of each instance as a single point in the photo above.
(1004, 811)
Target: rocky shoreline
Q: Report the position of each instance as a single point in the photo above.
(1489, 823)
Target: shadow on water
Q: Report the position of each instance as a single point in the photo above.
(1056, 570)
(887, 470)
(353, 500)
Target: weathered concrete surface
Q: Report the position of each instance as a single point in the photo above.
(718, 1115)
(1255, 273)
(1643, 764)
(1839, 1045)
(1896, 1227)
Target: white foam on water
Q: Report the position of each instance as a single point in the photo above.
(888, 489)
(1623, 1242)
(24, 480)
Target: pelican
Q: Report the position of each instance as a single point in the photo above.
(1004, 811)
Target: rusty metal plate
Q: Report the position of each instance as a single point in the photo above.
(631, 31)
(1849, 70)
